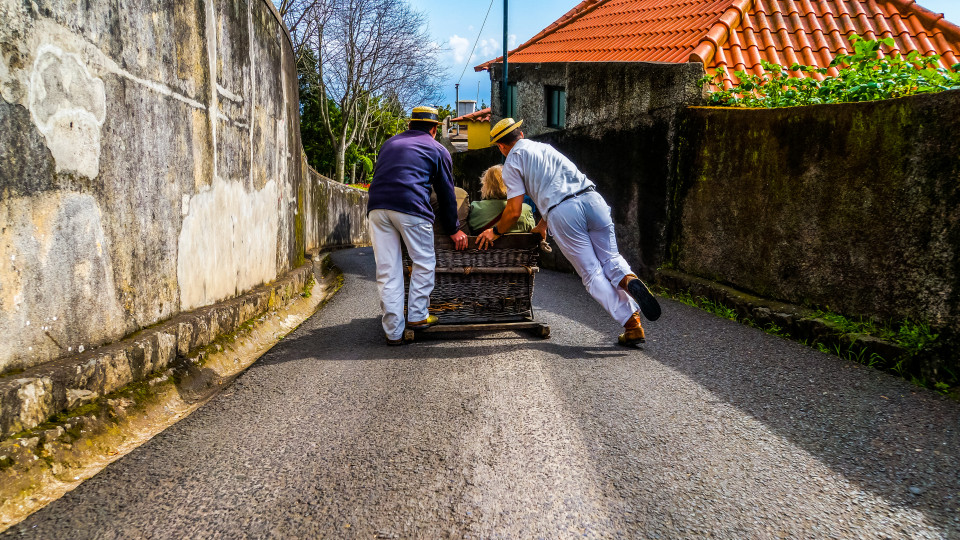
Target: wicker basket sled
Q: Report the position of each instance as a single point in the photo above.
(488, 290)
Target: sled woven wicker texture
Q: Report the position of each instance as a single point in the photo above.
(493, 285)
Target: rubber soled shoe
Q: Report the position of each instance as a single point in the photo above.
(426, 323)
(395, 342)
(648, 304)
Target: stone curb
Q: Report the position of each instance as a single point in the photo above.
(42, 464)
(797, 321)
(31, 397)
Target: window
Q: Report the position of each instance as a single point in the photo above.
(556, 107)
(512, 103)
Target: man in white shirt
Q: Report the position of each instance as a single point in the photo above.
(579, 220)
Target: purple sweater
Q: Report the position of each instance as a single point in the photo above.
(408, 165)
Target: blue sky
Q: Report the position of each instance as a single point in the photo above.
(455, 25)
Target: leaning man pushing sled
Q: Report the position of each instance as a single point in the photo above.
(579, 220)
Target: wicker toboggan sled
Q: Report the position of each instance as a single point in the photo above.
(488, 290)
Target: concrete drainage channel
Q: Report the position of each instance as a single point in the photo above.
(40, 464)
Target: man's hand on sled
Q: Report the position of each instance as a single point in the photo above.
(459, 240)
(486, 238)
(541, 229)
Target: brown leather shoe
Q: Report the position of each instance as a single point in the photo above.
(632, 332)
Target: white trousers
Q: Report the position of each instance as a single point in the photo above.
(583, 229)
(387, 229)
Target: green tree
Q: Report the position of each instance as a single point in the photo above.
(313, 136)
(374, 59)
(387, 119)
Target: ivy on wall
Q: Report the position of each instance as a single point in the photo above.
(863, 76)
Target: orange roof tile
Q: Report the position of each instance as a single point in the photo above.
(483, 115)
(736, 34)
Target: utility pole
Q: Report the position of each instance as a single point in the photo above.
(503, 83)
(456, 106)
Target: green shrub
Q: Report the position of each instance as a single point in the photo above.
(863, 76)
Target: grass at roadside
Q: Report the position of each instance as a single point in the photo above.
(915, 338)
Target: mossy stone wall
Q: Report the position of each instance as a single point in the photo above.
(850, 207)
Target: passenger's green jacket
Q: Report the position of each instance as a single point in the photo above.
(483, 215)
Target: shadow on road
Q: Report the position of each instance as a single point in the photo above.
(879, 432)
(362, 339)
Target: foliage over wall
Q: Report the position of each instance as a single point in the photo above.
(864, 75)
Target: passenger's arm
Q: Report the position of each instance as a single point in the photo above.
(507, 220)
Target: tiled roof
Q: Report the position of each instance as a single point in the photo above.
(483, 115)
(736, 34)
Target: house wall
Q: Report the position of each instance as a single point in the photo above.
(150, 164)
(596, 91)
(478, 135)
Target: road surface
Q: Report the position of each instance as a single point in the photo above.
(711, 429)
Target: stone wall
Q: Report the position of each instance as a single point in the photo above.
(597, 92)
(150, 164)
(855, 207)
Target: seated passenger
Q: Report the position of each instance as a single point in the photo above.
(486, 213)
(463, 208)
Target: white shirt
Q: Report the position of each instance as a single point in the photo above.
(539, 170)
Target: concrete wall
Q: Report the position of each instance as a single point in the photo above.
(854, 206)
(339, 214)
(149, 165)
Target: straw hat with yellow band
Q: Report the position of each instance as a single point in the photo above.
(425, 114)
(502, 128)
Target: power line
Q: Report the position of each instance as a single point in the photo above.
(476, 41)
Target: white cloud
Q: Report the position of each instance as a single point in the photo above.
(459, 48)
(491, 48)
(488, 49)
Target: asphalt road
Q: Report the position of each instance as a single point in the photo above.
(713, 429)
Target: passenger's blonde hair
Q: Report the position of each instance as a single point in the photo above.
(492, 186)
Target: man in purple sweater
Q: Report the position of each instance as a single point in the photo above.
(399, 210)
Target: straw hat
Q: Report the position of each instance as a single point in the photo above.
(502, 128)
(425, 114)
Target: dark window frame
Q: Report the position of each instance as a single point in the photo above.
(556, 106)
(513, 100)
